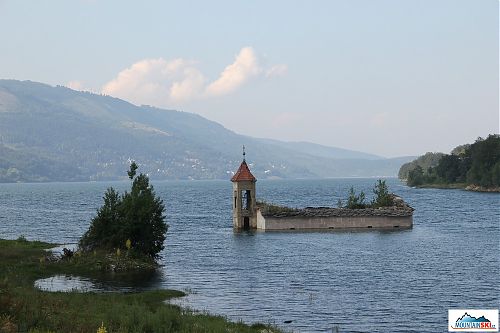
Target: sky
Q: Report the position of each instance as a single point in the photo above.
(389, 77)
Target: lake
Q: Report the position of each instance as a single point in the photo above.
(370, 281)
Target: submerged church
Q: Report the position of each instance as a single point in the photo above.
(247, 215)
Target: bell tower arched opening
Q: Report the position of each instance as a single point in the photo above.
(244, 208)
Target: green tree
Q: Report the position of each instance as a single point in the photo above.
(495, 174)
(416, 176)
(103, 231)
(137, 216)
(429, 160)
(382, 196)
(484, 155)
(355, 201)
(143, 217)
(448, 168)
(133, 169)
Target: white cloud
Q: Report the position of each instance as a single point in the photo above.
(162, 82)
(245, 66)
(277, 70)
(75, 85)
(157, 82)
(189, 87)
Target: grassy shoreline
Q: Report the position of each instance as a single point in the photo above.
(23, 308)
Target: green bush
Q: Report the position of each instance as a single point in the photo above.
(355, 201)
(382, 195)
(382, 198)
(136, 217)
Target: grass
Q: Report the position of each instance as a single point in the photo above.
(271, 209)
(24, 308)
(108, 261)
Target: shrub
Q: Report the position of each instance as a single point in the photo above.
(382, 196)
(135, 219)
(271, 209)
(355, 201)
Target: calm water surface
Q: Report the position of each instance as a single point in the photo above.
(399, 281)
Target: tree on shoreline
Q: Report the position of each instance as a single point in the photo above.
(134, 220)
(475, 164)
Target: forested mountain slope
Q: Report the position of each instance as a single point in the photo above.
(58, 134)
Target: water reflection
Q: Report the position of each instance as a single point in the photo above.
(107, 282)
(68, 283)
(317, 280)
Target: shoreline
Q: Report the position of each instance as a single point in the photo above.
(459, 186)
(27, 308)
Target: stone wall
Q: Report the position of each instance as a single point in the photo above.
(333, 222)
(400, 215)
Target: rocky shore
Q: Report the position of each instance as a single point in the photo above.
(461, 186)
(477, 188)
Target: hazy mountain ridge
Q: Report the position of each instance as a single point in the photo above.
(322, 151)
(55, 133)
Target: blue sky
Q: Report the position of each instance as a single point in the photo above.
(386, 77)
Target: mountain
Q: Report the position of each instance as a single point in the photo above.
(58, 134)
(321, 151)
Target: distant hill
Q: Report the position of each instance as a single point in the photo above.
(322, 151)
(58, 134)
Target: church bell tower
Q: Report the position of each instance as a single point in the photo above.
(244, 208)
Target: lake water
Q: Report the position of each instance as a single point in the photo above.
(373, 281)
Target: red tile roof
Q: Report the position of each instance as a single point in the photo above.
(243, 174)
